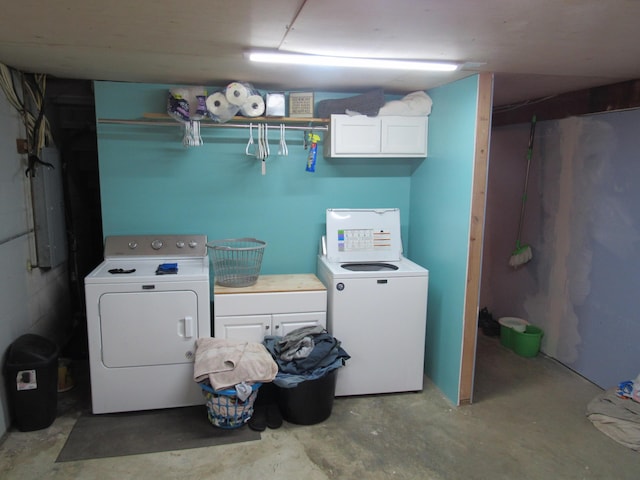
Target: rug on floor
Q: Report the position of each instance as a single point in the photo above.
(133, 433)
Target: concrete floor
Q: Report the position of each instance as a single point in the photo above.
(527, 422)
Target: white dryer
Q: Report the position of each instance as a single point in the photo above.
(143, 321)
(377, 301)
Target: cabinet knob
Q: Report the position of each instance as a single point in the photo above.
(266, 327)
(277, 327)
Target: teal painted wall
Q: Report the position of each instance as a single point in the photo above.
(441, 190)
(150, 183)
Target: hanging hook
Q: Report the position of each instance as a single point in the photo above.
(284, 150)
(250, 143)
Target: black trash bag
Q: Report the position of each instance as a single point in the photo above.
(489, 326)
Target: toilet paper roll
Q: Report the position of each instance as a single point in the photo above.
(253, 107)
(237, 93)
(219, 108)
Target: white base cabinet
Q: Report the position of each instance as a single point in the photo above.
(384, 136)
(275, 305)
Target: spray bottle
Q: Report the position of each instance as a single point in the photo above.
(313, 152)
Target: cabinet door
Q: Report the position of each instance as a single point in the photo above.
(251, 328)
(404, 136)
(354, 136)
(287, 322)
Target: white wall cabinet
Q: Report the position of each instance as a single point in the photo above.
(275, 305)
(384, 136)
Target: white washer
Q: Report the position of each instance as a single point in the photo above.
(377, 302)
(142, 326)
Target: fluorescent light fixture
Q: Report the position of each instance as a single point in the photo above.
(330, 61)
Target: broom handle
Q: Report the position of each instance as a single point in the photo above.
(532, 132)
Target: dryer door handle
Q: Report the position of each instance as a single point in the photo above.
(188, 327)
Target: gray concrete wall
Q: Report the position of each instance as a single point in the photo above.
(31, 301)
(583, 224)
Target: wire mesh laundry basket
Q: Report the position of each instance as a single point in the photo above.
(236, 262)
(225, 409)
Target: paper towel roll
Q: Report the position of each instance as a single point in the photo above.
(237, 93)
(219, 108)
(253, 107)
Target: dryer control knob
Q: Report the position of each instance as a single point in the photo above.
(156, 244)
(180, 244)
(193, 244)
(133, 244)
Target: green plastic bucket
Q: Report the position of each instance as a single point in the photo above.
(509, 326)
(527, 343)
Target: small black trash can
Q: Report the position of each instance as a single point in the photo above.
(309, 402)
(31, 372)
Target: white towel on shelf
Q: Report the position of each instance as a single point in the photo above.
(414, 104)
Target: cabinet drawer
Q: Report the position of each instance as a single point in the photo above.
(272, 302)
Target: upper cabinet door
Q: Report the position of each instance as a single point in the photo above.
(404, 135)
(355, 136)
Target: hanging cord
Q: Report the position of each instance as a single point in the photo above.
(37, 128)
(37, 136)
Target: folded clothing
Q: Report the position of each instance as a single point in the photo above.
(365, 104)
(414, 104)
(226, 363)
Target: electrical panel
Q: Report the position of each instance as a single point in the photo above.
(48, 210)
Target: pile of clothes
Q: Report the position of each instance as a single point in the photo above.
(616, 413)
(306, 353)
(225, 363)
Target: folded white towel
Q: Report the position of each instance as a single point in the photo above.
(414, 104)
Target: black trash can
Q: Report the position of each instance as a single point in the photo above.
(31, 372)
(309, 402)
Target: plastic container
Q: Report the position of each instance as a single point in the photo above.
(236, 262)
(508, 325)
(309, 402)
(527, 343)
(225, 409)
(31, 372)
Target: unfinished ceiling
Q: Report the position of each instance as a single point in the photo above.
(535, 49)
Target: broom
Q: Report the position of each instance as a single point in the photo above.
(522, 253)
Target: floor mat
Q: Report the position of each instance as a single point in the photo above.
(119, 434)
